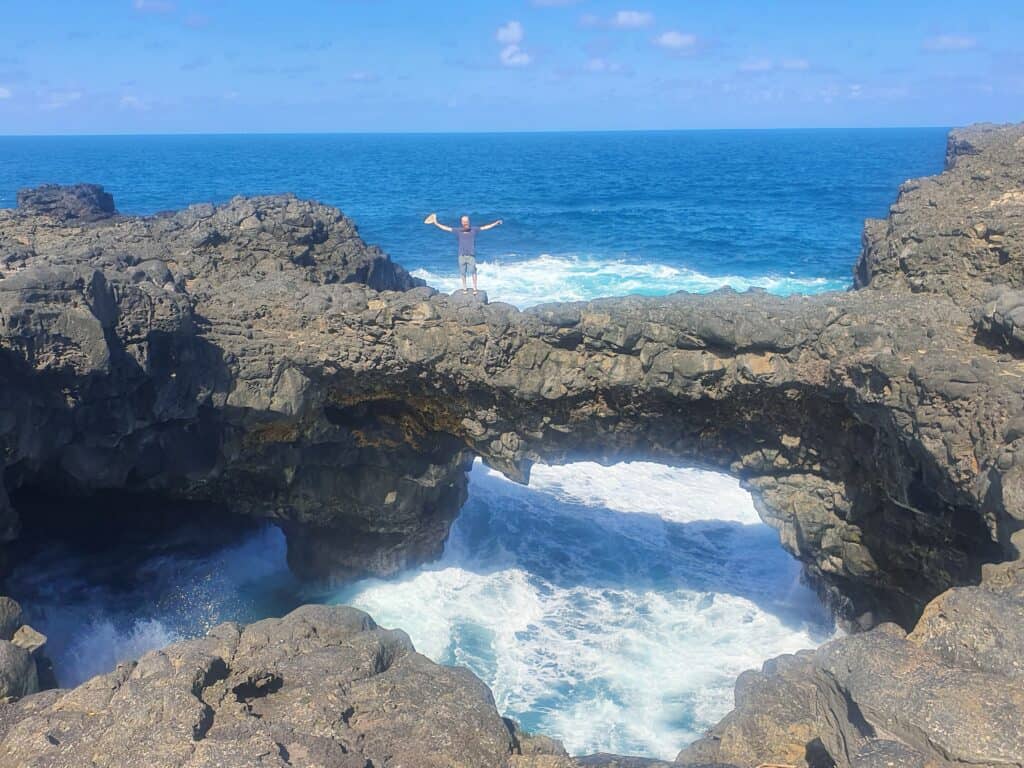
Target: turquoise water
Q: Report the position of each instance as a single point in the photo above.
(585, 214)
(611, 607)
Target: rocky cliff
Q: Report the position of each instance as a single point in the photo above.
(258, 354)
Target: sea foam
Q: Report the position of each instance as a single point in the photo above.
(611, 607)
(526, 282)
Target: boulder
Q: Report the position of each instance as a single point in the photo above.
(10, 617)
(80, 202)
(323, 686)
(18, 675)
(29, 639)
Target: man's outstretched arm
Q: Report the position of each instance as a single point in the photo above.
(492, 225)
(432, 219)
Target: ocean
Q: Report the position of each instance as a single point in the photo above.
(586, 214)
(611, 607)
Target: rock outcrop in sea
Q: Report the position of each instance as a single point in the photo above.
(260, 356)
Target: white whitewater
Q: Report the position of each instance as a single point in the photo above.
(549, 278)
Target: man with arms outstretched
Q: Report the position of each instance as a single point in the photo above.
(467, 244)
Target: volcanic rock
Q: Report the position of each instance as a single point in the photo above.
(323, 686)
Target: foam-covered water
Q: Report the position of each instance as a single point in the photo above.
(612, 607)
(525, 282)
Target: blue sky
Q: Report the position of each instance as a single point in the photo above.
(167, 66)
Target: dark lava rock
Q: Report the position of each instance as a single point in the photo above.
(324, 686)
(81, 202)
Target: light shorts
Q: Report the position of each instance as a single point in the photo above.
(467, 264)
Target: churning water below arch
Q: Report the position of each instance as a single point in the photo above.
(611, 607)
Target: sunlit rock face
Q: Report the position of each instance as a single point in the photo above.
(260, 355)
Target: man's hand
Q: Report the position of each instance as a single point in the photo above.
(432, 219)
(492, 225)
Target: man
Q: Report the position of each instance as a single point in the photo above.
(467, 244)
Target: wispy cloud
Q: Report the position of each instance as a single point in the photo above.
(949, 43)
(679, 42)
(632, 19)
(510, 35)
(153, 6)
(601, 66)
(61, 99)
(5, 92)
(762, 65)
(133, 102)
(361, 77)
(619, 20)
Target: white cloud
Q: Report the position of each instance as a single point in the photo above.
(61, 99)
(133, 102)
(764, 64)
(361, 77)
(619, 20)
(514, 56)
(153, 6)
(5, 93)
(945, 43)
(632, 19)
(510, 34)
(676, 41)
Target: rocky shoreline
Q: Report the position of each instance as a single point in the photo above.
(259, 356)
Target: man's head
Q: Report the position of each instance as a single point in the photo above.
(465, 222)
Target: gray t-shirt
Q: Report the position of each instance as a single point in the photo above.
(467, 240)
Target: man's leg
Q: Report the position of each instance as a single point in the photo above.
(463, 268)
(474, 281)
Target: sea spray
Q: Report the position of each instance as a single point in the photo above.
(526, 282)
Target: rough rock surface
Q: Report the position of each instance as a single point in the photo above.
(24, 668)
(324, 686)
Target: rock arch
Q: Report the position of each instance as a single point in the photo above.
(259, 354)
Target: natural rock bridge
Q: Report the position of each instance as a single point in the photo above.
(259, 355)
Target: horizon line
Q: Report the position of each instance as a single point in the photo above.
(390, 132)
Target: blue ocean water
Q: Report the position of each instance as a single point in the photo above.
(585, 214)
(611, 607)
